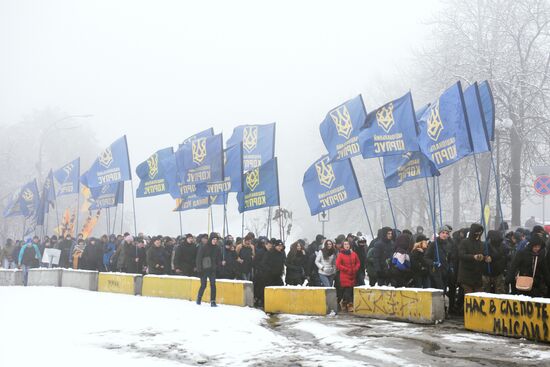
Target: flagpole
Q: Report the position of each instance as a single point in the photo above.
(242, 226)
(122, 218)
(56, 212)
(77, 211)
(181, 225)
(387, 194)
(439, 198)
(114, 220)
(107, 219)
(268, 222)
(134, 207)
(497, 184)
(432, 214)
(224, 215)
(480, 194)
(362, 200)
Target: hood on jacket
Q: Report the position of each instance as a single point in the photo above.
(475, 228)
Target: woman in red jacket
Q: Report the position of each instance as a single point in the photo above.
(348, 264)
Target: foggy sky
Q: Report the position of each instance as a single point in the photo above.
(159, 71)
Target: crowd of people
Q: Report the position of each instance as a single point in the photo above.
(458, 262)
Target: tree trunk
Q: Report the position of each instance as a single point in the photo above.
(515, 176)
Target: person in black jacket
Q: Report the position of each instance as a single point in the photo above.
(420, 265)
(437, 253)
(360, 248)
(530, 262)
(273, 264)
(472, 260)
(92, 256)
(229, 267)
(208, 261)
(295, 263)
(65, 247)
(380, 256)
(185, 256)
(245, 256)
(493, 272)
(156, 257)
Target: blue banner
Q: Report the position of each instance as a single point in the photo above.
(476, 120)
(107, 196)
(261, 188)
(30, 199)
(488, 105)
(328, 185)
(258, 144)
(156, 174)
(112, 165)
(13, 206)
(407, 167)
(220, 199)
(48, 192)
(340, 129)
(68, 178)
(233, 170)
(201, 160)
(444, 135)
(203, 134)
(192, 202)
(390, 129)
(419, 112)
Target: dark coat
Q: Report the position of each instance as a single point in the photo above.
(245, 254)
(469, 269)
(230, 269)
(273, 266)
(420, 264)
(348, 265)
(523, 265)
(65, 247)
(494, 247)
(381, 254)
(185, 257)
(157, 260)
(92, 257)
(295, 269)
(211, 252)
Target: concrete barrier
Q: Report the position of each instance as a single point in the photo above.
(11, 277)
(228, 292)
(120, 283)
(82, 279)
(45, 277)
(508, 315)
(425, 306)
(300, 300)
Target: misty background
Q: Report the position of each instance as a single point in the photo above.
(76, 75)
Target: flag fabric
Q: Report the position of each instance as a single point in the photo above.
(444, 135)
(328, 185)
(258, 143)
(390, 129)
(107, 196)
(488, 105)
(13, 207)
(201, 160)
(233, 170)
(340, 129)
(220, 199)
(68, 178)
(419, 112)
(29, 199)
(156, 174)
(261, 187)
(112, 165)
(476, 120)
(48, 192)
(203, 134)
(399, 169)
(192, 202)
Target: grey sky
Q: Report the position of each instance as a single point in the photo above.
(159, 71)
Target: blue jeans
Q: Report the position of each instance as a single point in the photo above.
(204, 277)
(25, 269)
(246, 276)
(326, 280)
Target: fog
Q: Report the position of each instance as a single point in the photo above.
(161, 71)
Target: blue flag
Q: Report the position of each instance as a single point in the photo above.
(390, 129)
(112, 165)
(192, 202)
(340, 129)
(418, 113)
(203, 134)
(233, 170)
(444, 136)
(68, 178)
(220, 199)
(328, 185)
(261, 188)
(107, 196)
(201, 160)
(258, 144)
(13, 206)
(476, 120)
(488, 104)
(48, 192)
(156, 174)
(407, 167)
(30, 199)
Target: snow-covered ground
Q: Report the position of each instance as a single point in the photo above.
(49, 326)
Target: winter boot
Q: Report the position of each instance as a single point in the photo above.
(198, 302)
(342, 306)
(350, 307)
(213, 304)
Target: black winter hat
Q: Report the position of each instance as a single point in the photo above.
(402, 242)
(538, 229)
(536, 240)
(475, 228)
(319, 238)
